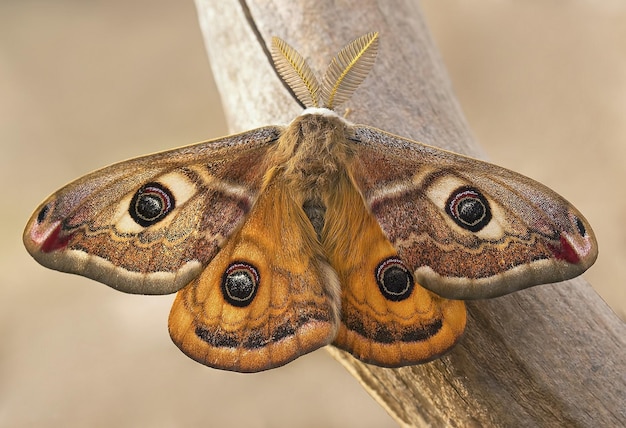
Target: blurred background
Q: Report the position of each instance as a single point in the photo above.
(84, 84)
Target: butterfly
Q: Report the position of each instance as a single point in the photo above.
(284, 239)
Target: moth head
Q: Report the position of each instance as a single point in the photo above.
(343, 75)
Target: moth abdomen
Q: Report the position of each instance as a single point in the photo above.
(315, 211)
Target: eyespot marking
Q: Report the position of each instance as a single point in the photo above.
(469, 208)
(151, 204)
(394, 280)
(240, 284)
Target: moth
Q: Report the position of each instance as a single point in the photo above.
(284, 239)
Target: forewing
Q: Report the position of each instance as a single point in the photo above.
(466, 228)
(149, 225)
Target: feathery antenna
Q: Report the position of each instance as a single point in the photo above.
(343, 75)
(295, 72)
(348, 69)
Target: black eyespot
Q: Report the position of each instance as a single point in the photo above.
(394, 279)
(43, 213)
(580, 226)
(469, 209)
(240, 283)
(151, 204)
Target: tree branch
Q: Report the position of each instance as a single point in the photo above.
(550, 355)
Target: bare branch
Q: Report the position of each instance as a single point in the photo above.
(551, 355)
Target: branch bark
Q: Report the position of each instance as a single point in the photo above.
(550, 355)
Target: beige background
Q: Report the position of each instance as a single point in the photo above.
(87, 83)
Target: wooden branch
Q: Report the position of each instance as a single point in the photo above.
(547, 356)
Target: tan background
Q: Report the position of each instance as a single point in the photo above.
(84, 84)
